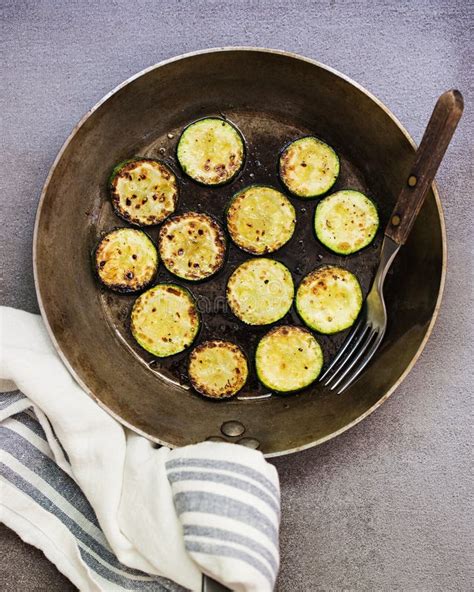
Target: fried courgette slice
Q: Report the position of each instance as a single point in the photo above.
(288, 359)
(192, 246)
(126, 260)
(308, 167)
(165, 320)
(211, 151)
(329, 299)
(144, 191)
(260, 291)
(260, 219)
(217, 369)
(346, 221)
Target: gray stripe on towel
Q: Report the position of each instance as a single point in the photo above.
(10, 399)
(226, 551)
(224, 465)
(221, 505)
(230, 536)
(44, 502)
(224, 479)
(154, 585)
(32, 458)
(30, 423)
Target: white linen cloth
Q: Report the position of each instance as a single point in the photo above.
(209, 508)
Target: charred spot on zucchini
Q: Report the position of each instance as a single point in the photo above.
(329, 299)
(165, 320)
(217, 369)
(308, 167)
(211, 151)
(144, 191)
(192, 246)
(288, 359)
(346, 221)
(260, 219)
(260, 291)
(126, 260)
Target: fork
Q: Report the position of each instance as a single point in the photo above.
(369, 330)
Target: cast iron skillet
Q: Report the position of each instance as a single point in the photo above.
(273, 97)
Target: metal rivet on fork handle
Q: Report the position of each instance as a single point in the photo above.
(395, 220)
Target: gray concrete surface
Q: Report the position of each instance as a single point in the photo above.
(385, 506)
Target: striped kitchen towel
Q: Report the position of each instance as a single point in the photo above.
(110, 509)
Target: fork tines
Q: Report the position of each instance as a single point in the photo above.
(354, 355)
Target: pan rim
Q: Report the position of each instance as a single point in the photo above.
(229, 49)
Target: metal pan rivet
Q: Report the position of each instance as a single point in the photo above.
(412, 181)
(395, 220)
(249, 443)
(232, 428)
(215, 439)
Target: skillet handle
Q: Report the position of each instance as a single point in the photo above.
(438, 134)
(209, 585)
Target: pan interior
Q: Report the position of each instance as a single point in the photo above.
(273, 98)
(265, 136)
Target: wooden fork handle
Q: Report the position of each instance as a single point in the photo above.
(438, 134)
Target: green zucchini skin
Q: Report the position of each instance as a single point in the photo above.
(260, 219)
(126, 260)
(217, 369)
(308, 167)
(143, 191)
(211, 151)
(165, 320)
(346, 221)
(260, 291)
(192, 246)
(288, 359)
(329, 299)
(120, 166)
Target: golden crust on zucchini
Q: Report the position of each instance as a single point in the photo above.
(288, 359)
(346, 221)
(165, 320)
(192, 246)
(217, 369)
(260, 219)
(308, 167)
(260, 291)
(329, 299)
(126, 260)
(211, 151)
(144, 191)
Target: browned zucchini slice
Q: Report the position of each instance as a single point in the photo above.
(329, 299)
(346, 221)
(165, 320)
(211, 151)
(260, 291)
(144, 191)
(288, 359)
(217, 369)
(260, 219)
(309, 167)
(126, 260)
(192, 246)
